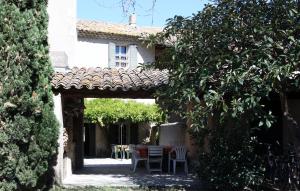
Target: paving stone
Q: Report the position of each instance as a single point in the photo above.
(117, 173)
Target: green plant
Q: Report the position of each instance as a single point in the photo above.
(222, 62)
(109, 111)
(232, 163)
(28, 129)
(283, 170)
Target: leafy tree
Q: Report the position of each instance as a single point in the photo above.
(28, 129)
(222, 62)
(108, 111)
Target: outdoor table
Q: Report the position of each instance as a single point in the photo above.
(122, 149)
(166, 150)
(143, 152)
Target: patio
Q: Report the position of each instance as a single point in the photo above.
(117, 173)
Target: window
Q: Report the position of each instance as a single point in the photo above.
(122, 55)
(121, 58)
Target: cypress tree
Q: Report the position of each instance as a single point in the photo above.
(28, 129)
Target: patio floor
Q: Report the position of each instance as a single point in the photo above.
(116, 173)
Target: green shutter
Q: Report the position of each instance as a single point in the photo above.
(132, 56)
(111, 54)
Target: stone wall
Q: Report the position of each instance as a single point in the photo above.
(172, 134)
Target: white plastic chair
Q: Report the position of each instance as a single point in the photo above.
(131, 149)
(181, 154)
(114, 151)
(135, 158)
(155, 155)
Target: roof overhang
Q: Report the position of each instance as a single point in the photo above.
(109, 82)
(110, 36)
(100, 29)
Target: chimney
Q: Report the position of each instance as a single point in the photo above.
(132, 20)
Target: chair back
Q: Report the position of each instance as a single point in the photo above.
(135, 154)
(180, 152)
(114, 148)
(131, 148)
(155, 151)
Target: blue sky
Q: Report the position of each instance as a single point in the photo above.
(111, 10)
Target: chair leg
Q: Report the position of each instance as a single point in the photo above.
(160, 166)
(132, 164)
(174, 166)
(169, 165)
(185, 167)
(148, 166)
(135, 164)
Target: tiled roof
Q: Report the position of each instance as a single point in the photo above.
(109, 79)
(94, 28)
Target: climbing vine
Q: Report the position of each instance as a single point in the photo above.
(109, 111)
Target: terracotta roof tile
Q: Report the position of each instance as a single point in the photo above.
(86, 28)
(109, 79)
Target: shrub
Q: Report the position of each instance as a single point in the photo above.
(28, 129)
(232, 163)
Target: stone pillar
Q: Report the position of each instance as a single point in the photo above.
(78, 127)
(59, 116)
(73, 122)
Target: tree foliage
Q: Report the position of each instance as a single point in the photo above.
(223, 61)
(28, 129)
(109, 111)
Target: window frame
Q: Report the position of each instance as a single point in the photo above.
(118, 56)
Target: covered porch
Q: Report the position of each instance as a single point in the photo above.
(70, 89)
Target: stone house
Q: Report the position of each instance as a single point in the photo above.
(94, 59)
(74, 45)
(109, 45)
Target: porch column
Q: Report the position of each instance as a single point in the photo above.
(59, 116)
(79, 148)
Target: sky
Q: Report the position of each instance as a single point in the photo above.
(111, 10)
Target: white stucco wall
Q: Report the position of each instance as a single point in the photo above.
(84, 52)
(59, 115)
(93, 52)
(62, 35)
(145, 55)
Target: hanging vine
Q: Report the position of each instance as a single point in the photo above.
(109, 111)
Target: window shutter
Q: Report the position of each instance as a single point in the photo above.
(132, 56)
(111, 54)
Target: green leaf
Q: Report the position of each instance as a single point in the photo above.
(268, 123)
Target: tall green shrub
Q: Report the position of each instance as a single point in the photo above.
(28, 129)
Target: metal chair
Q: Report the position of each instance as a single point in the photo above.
(135, 158)
(181, 154)
(155, 155)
